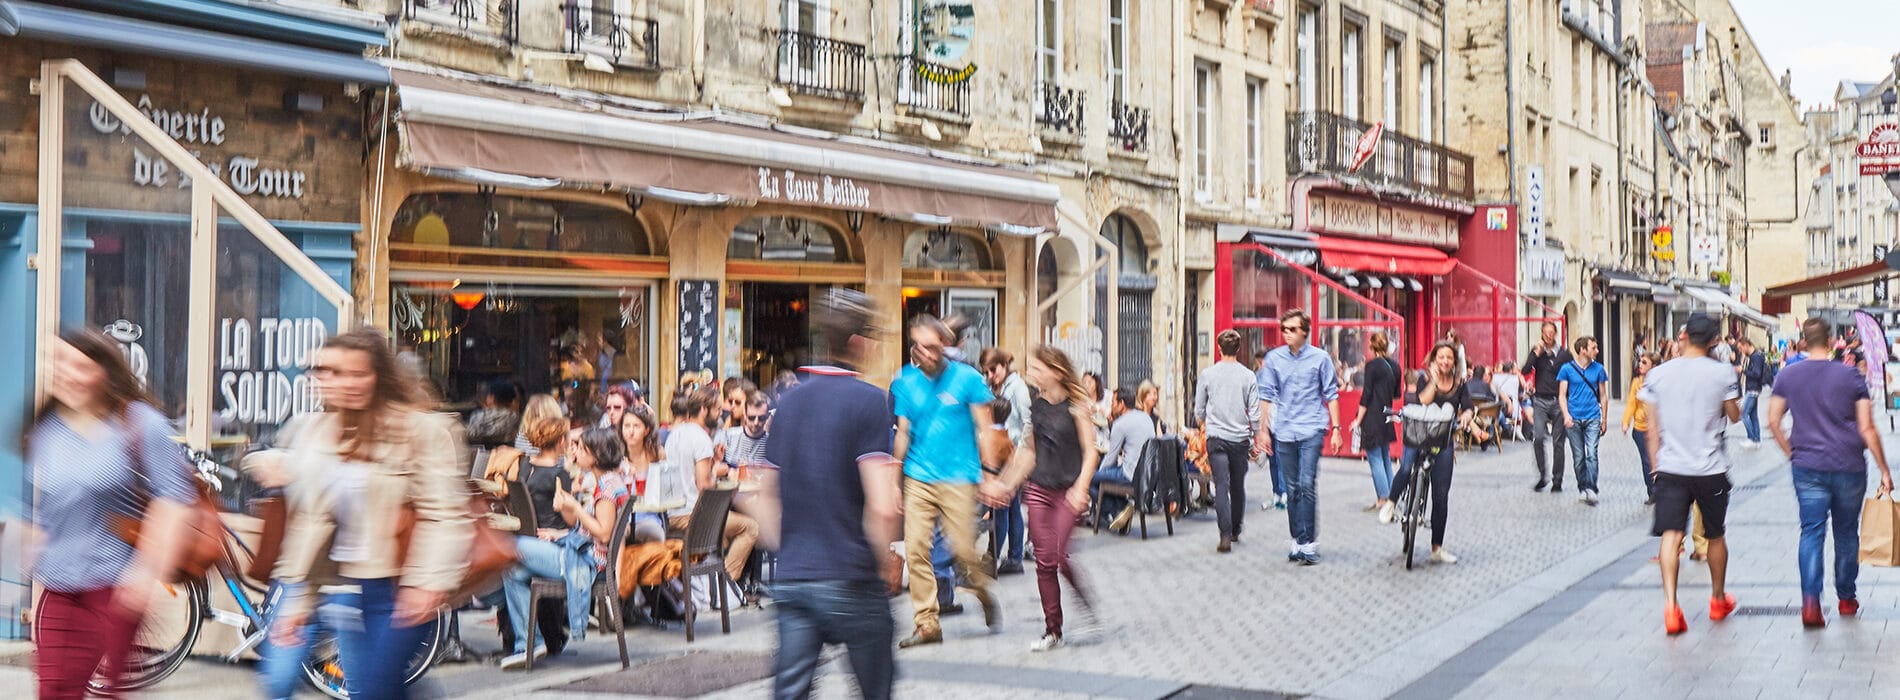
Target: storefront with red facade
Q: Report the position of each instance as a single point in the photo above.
(1360, 265)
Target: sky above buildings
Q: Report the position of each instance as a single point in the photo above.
(1824, 41)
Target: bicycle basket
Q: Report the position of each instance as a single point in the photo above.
(1427, 426)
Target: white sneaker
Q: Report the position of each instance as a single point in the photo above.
(1443, 556)
(1385, 513)
(1049, 642)
(1589, 498)
(515, 661)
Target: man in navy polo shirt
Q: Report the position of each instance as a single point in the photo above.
(831, 443)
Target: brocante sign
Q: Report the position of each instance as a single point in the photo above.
(1366, 219)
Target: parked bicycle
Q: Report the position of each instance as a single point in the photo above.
(177, 613)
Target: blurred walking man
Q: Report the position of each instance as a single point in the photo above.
(1692, 399)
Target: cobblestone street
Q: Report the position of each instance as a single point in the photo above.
(1550, 597)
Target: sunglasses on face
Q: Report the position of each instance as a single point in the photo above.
(755, 419)
(1292, 329)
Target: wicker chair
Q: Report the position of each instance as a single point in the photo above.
(606, 591)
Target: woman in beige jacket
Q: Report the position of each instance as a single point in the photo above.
(379, 454)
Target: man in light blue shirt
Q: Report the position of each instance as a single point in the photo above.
(1299, 405)
(939, 404)
(1582, 390)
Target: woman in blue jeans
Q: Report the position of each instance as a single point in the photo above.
(575, 555)
(374, 453)
(1375, 403)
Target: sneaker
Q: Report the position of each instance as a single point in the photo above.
(1385, 513)
(515, 661)
(1121, 521)
(1309, 558)
(1850, 607)
(1049, 642)
(1589, 498)
(1541, 483)
(1279, 502)
(1673, 622)
(1293, 554)
(1811, 616)
(1719, 608)
(1009, 567)
(1443, 556)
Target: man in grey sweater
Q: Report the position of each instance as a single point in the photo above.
(1225, 406)
(1127, 436)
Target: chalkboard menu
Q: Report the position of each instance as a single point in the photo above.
(699, 325)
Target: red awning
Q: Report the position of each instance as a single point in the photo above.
(1383, 258)
(1776, 299)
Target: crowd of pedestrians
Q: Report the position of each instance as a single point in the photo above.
(860, 488)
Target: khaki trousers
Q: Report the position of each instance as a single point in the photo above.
(925, 505)
(742, 533)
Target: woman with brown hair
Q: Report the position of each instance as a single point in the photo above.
(382, 456)
(1381, 388)
(640, 440)
(1058, 464)
(98, 447)
(1439, 386)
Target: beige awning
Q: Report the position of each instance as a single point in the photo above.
(455, 126)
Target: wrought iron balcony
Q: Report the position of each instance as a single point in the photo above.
(1061, 109)
(629, 41)
(1128, 126)
(933, 87)
(1322, 142)
(821, 66)
(484, 16)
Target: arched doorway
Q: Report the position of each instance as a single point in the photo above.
(1135, 303)
(776, 266)
(951, 273)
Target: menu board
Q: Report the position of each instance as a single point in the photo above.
(699, 325)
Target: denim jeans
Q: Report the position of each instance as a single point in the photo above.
(1008, 526)
(1299, 463)
(1228, 460)
(812, 614)
(375, 649)
(1823, 495)
(281, 669)
(1751, 420)
(1642, 452)
(945, 567)
(543, 559)
(1583, 451)
(1380, 458)
(1112, 475)
(1547, 425)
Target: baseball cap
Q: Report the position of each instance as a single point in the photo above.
(1702, 329)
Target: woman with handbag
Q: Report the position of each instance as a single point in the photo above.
(1058, 463)
(100, 453)
(384, 460)
(1440, 386)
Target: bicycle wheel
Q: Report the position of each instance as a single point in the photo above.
(1415, 498)
(324, 668)
(173, 617)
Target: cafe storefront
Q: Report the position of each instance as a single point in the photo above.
(567, 247)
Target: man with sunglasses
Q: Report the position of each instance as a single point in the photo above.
(745, 443)
(1299, 406)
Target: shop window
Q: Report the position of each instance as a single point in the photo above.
(943, 249)
(787, 239)
(1264, 286)
(478, 220)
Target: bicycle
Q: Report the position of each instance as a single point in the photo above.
(1426, 431)
(177, 613)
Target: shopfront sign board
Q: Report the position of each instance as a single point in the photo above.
(1880, 153)
(1534, 206)
(1365, 218)
(1543, 272)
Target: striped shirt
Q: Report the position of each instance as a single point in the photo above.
(86, 482)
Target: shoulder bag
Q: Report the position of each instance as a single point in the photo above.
(200, 543)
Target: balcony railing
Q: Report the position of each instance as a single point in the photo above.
(1128, 126)
(1061, 109)
(818, 65)
(485, 16)
(929, 86)
(1322, 142)
(629, 41)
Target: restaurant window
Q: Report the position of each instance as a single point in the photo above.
(943, 249)
(471, 227)
(786, 238)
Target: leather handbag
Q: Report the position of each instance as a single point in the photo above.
(275, 514)
(491, 551)
(201, 541)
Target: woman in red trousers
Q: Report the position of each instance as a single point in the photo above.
(1057, 466)
(100, 454)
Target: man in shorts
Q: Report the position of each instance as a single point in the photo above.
(1692, 399)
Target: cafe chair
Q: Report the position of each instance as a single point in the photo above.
(606, 593)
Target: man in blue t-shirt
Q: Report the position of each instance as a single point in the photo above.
(1833, 427)
(1583, 391)
(939, 404)
(840, 498)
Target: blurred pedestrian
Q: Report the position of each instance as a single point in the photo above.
(1054, 470)
(100, 453)
(379, 451)
(1636, 424)
(1008, 525)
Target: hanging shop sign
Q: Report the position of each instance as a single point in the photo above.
(1368, 219)
(1663, 244)
(1880, 153)
(1534, 206)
